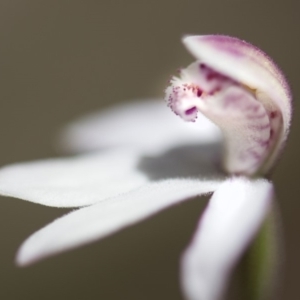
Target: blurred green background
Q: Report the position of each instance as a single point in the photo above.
(62, 59)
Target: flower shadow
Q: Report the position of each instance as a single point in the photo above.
(184, 161)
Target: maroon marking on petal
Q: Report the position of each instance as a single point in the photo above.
(199, 93)
(190, 111)
(216, 80)
(274, 114)
(215, 90)
(263, 143)
(212, 76)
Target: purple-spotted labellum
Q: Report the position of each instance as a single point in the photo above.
(242, 91)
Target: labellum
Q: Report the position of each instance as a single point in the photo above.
(241, 90)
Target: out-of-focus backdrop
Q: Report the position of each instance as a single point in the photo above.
(62, 59)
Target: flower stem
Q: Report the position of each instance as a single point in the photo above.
(262, 261)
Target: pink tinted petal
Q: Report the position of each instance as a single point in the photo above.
(94, 222)
(247, 139)
(232, 218)
(253, 68)
(75, 181)
(242, 62)
(146, 125)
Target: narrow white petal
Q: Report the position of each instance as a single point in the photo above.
(232, 218)
(146, 125)
(94, 222)
(75, 181)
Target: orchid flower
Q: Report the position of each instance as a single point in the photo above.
(141, 159)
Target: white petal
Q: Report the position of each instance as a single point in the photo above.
(252, 67)
(147, 125)
(75, 181)
(94, 222)
(232, 218)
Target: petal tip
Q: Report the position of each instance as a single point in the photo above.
(26, 257)
(21, 260)
(188, 39)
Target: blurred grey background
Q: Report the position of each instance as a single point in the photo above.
(62, 59)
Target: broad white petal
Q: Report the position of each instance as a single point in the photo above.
(94, 222)
(253, 68)
(75, 181)
(146, 125)
(232, 218)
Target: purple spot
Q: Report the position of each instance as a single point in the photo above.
(199, 93)
(191, 111)
(212, 76)
(273, 114)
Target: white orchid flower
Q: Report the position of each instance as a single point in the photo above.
(148, 159)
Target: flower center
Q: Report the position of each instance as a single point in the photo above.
(249, 126)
